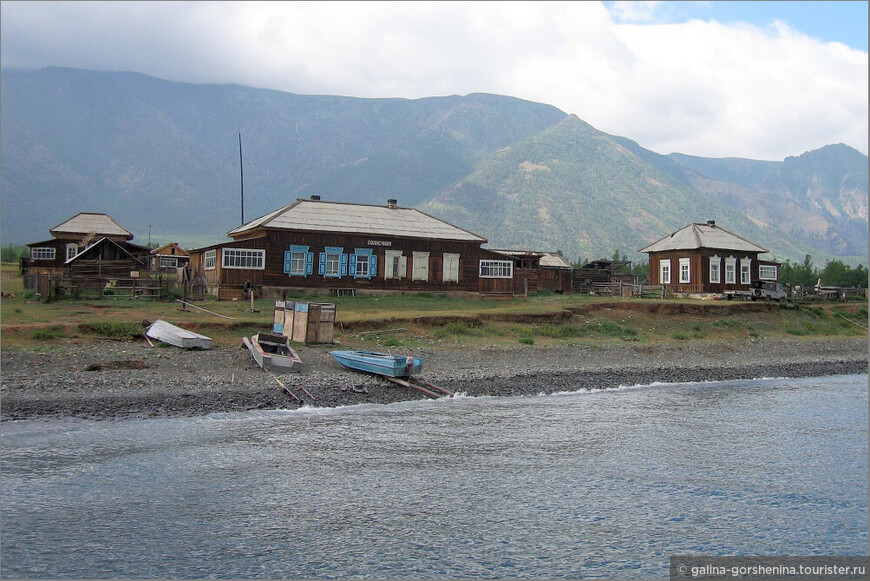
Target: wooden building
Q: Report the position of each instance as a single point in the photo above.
(602, 277)
(76, 235)
(169, 257)
(538, 271)
(706, 259)
(314, 244)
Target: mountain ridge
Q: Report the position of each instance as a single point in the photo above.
(147, 151)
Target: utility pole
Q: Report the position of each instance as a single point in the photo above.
(242, 177)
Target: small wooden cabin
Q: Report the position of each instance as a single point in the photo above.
(168, 258)
(314, 244)
(707, 259)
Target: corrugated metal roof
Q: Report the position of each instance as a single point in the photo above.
(86, 223)
(358, 219)
(708, 235)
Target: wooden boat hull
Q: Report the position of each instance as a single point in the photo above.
(168, 333)
(379, 363)
(272, 352)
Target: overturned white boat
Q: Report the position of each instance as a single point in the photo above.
(168, 333)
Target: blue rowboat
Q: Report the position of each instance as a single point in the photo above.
(379, 363)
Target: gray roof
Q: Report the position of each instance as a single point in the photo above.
(695, 236)
(86, 223)
(550, 259)
(365, 219)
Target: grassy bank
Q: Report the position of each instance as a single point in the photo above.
(430, 320)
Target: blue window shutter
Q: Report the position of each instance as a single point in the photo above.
(343, 268)
(309, 263)
(373, 266)
(322, 266)
(288, 260)
(353, 265)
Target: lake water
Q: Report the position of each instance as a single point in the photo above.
(596, 484)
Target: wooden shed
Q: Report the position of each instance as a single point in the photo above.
(707, 259)
(344, 247)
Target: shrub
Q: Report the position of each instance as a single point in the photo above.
(391, 342)
(526, 341)
(48, 333)
(112, 329)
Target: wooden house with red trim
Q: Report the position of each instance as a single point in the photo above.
(315, 244)
(707, 259)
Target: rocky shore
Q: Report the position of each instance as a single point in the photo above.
(134, 380)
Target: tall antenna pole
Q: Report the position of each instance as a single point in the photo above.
(242, 177)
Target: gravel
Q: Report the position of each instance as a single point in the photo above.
(134, 380)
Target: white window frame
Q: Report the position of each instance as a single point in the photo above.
(362, 266)
(420, 266)
(297, 262)
(42, 253)
(768, 272)
(450, 267)
(395, 264)
(333, 264)
(168, 262)
(71, 250)
(685, 270)
(715, 269)
(746, 271)
(665, 271)
(243, 259)
(496, 269)
(730, 270)
(209, 260)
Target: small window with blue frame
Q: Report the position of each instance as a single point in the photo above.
(363, 263)
(298, 261)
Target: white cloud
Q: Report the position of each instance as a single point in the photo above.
(702, 88)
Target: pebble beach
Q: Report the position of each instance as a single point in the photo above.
(119, 380)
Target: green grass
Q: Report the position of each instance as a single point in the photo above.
(112, 329)
(48, 333)
(432, 319)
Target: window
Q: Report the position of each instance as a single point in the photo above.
(168, 262)
(745, 271)
(71, 250)
(363, 263)
(209, 260)
(685, 271)
(665, 272)
(396, 265)
(243, 258)
(42, 253)
(730, 270)
(332, 262)
(496, 269)
(715, 267)
(298, 261)
(420, 269)
(450, 269)
(767, 271)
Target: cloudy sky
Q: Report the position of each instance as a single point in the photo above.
(762, 80)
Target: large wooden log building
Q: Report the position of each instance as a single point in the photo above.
(315, 244)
